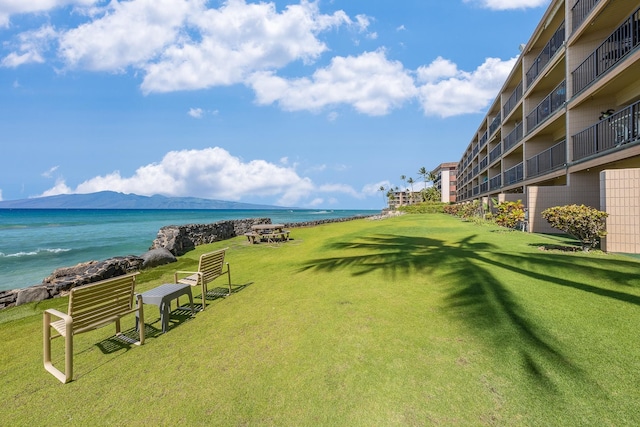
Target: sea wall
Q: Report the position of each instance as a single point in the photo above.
(177, 239)
(180, 239)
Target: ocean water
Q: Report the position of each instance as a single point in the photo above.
(34, 242)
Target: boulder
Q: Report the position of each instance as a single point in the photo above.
(33, 293)
(156, 257)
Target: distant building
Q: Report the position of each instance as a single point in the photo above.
(565, 126)
(404, 198)
(446, 181)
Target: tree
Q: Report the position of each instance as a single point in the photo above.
(425, 175)
(382, 189)
(410, 181)
(582, 222)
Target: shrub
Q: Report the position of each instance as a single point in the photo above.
(582, 222)
(424, 207)
(509, 214)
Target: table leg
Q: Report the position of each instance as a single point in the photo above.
(165, 308)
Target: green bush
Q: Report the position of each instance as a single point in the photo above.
(582, 222)
(424, 207)
(509, 214)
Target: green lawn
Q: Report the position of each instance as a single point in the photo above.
(414, 320)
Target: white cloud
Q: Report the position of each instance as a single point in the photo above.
(509, 4)
(15, 7)
(31, 47)
(373, 189)
(208, 173)
(196, 113)
(49, 173)
(60, 188)
(449, 91)
(126, 34)
(187, 45)
(401, 28)
(371, 83)
(237, 40)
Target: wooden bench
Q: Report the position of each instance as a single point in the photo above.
(91, 307)
(210, 267)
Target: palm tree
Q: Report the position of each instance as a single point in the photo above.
(381, 189)
(410, 181)
(425, 175)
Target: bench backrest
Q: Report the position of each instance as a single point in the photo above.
(99, 303)
(211, 265)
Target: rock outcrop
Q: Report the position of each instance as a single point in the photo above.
(180, 239)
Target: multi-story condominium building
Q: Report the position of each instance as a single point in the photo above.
(404, 198)
(564, 128)
(445, 181)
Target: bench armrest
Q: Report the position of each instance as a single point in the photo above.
(52, 311)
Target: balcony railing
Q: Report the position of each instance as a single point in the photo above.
(513, 138)
(616, 130)
(548, 51)
(513, 175)
(484, 162)
(548, 160)
(484, 187)
(495, 124)
(548, 106)
(495, 182)
(475, 150)
(579, 11)
(513, 100)
(476, 190)
(495, 153)
(483, 139)
(610, 52)
(476, 169)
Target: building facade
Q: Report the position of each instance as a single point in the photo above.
(446, 181)
(564, 127)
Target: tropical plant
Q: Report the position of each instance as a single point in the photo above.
(410, 181)
(582, 222)
(509, 214)
(425, 175)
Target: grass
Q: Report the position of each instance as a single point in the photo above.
(415, 320)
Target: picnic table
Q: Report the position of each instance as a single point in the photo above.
(267, 232)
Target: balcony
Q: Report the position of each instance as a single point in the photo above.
(513, 175)
(483, 139)
(484, 187)
(548, 51)
(548, 160)
(476, 190)
(513, 100)
(475, 150)
(495, 153)
(495, 182)
(548, 106)
(476, 169)
(484, 162)
(513, 138)
(618, 45)
(611, 132)
(579, 11)
(495, 124)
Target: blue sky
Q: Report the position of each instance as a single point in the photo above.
(313, 104)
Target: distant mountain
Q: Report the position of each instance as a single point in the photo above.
(113, 200)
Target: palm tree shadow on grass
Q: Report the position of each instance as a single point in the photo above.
(476, 296)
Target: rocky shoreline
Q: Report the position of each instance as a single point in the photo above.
(171, 241)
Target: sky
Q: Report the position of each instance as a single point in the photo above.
(309, 104)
